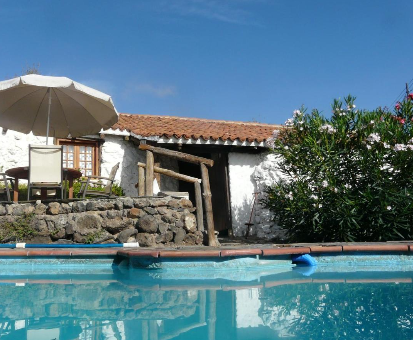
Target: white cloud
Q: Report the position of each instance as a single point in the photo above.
(100, 85)
(220, 10)
(157, 91)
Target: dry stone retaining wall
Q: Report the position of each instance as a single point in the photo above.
(149, 221)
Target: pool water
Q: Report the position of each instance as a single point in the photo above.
(129, 304)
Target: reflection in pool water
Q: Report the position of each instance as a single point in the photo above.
(137, 304)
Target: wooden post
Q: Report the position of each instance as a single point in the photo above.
(212, 314)
(141, 183)
(172, 174)
(176, 154)
(212, 240)
(198, 203)
(149, 173)
(153, 330)
(202, 305)
(145, 330)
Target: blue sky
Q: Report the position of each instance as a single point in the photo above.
(248, 60)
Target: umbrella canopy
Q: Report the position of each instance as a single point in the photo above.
(74, 109)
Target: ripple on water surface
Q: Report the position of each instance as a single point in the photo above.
(136, 304)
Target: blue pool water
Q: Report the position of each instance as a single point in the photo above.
(108, 302)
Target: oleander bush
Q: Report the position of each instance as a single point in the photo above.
(346, 178)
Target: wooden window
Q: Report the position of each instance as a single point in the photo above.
(82, 155)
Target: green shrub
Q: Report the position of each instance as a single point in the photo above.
(116, 190)
(18, 230)
(346, 178)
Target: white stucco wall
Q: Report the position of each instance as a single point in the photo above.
(241, 167)
(14, 152)
(14, 148)
(248, 304)
(115, 149)
(250, 173)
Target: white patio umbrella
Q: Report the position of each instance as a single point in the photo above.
(54, 107)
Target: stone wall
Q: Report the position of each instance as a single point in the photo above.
(153, 221)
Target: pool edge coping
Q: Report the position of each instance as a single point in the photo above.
(216, 252)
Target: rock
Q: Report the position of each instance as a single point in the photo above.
(165, 237)
(108, 241)
(9, 209)
(40, 209)
(179, 235)
(131, 239)
(113, 214)
(87, 228)
(184, 203)
(104, 213)
(118, 204)
(115, 226)
(146, 240)
(150, 210)
(160, 202)
(177, 215)
(127, 203)
(19, 209)
(102, 237)
(106, 205)
(190, 240)
(91, 206)
(53, 208)
(147, 224)
(163, 228)
(189, 221)
(174, 204)
(70, 228)
(2, 210)
(126, 234)
(28, 209)
(39, 239)
(40, 227)
(162, 210)
(199, 237)
(65, 208)
(134, 213)
(179, 224)
(79, 206)
(63, 241)
(141, 203)
(15, 209)
(168, 219)
(58, 233)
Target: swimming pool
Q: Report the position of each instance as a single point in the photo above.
(99, 301)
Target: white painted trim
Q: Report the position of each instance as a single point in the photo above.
(200, 141)
(131, 245)
(181, 140)
(116, 132)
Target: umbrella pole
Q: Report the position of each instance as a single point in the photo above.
(48, 116)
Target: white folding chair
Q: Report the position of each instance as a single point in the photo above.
(6, 190)
(45, 168)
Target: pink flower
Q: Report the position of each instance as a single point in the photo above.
(398, 106)
(402, 121)
(410, 96)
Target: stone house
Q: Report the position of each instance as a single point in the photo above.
(242, 163)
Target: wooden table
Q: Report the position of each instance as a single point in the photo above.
(23, 173)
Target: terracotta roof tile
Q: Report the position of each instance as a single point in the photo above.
(196, 128)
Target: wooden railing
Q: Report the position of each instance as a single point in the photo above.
(146, 176)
